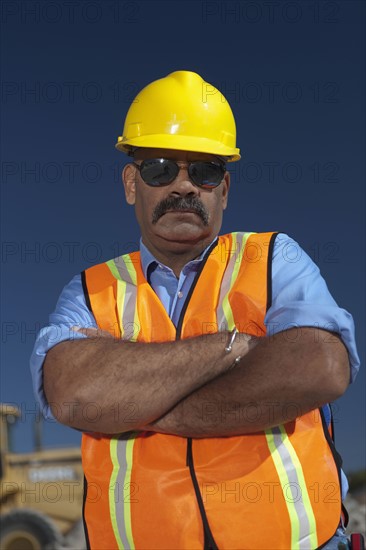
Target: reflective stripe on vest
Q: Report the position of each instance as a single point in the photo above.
(120, 490)
(225, 318)
(290, 473)
(259, 490)
(123, 271)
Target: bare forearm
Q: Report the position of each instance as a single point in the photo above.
(110, 386)
(280, 379)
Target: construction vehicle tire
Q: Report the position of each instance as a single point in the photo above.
(28, 530)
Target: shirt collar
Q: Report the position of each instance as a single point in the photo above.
(147, 258)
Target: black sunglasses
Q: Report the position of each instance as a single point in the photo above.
(160, 172)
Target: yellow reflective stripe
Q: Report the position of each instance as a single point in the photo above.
(228, 313)
(226, 308)
(114, 270)
(126, 491)
(294, 509)
(304, 491)
(111, 492)
(282, 474)
(121, 292)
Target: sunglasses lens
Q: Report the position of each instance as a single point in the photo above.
(157, 172)
(160, 172)
(206, 174)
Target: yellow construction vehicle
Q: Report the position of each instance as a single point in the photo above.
(41, 492)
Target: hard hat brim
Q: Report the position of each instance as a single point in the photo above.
(180, 143)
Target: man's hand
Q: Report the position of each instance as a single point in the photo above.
(282, 378)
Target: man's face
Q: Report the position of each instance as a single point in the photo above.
(180, 215)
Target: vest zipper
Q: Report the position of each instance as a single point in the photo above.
(209, 541)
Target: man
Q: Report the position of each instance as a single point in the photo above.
(210, 361)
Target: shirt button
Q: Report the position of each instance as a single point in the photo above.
(180, 294)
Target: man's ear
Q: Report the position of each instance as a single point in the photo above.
(129, 182)
(225, 189)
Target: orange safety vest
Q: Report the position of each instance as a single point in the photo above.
(276, 489)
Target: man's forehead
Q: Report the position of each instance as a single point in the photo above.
(146, 152)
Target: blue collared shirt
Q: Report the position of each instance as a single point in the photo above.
(171, 290)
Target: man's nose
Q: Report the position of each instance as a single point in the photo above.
(183, 185)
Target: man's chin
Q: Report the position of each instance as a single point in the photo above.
(183, 236)
(180, 231)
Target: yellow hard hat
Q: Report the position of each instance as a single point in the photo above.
(181, 111)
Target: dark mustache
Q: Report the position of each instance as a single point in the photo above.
(180, 204)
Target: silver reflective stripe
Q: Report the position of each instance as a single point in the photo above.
(123, 265)
(120, 512)
(129, 312)
(288, 466)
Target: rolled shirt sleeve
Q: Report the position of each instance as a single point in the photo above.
(300, 298)
(71, 310)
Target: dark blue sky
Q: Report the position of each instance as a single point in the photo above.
(293, 73)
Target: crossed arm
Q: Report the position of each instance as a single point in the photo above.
(187, 388)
